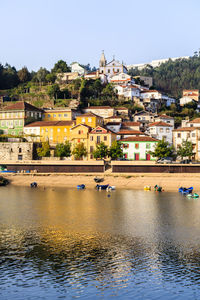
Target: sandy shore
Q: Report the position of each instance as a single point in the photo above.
(170, 182)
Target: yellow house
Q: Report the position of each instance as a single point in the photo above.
(65, 114)
(89, 119)
(79, 134)
(98, 135)
(52, 131)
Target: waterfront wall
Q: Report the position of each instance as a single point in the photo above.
(130, 167)
(55, 166)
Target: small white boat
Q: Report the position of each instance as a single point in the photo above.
(112, 187)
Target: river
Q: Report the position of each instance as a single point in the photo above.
(59, 243)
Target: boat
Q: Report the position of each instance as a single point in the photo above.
(33, 184)
(195, 195)
(147, 188)
(158, 188)
(81, 186)
(3, 181)
(102, 186)
(98, 180)
(185, 191)
(111, 188)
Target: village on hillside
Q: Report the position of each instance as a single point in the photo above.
(89, 130)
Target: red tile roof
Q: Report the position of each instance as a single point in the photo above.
(162, 124)
(113, 117)
(127, 124)
(50, 123)
(186, 129)
(99, 107)
(139, 139)
(132, 132)
(21, 105)
(197, 120)
(89, 114)
(165, 117)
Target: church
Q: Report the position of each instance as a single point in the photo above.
(114, 67)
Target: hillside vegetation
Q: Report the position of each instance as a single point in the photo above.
(174, 76)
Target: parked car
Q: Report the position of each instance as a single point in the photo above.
(164, 160)
(186, 161)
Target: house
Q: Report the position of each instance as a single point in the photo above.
(63, 114)
(193, 123)
(13, 118)
(80, 134)
(146, 80)
(98, 135)
(90, 119)
(185, 100)
(52, 131)
(67, 77)
(192, 94)
(131, 125)
(121, 79)
(77, 68)
(112, 68)
(102, 111)
(128, 92)
(113, 126)
(144, 117)
(112, 119)
(122, 111)
(95, 75)
(138, 147)
(191, 134)
(124, 133)
(161, 99)
(166, 119)
(161, 130)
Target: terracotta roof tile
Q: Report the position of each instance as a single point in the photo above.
(160, 124)
(132, 132)
(50, 123)
(165, 117)
(21, 105)
(139, 139)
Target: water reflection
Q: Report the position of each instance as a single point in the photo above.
(68, 243)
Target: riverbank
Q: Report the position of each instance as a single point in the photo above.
(170, 182)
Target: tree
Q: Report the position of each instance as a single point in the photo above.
(54, 91)
(79, 151)
(24, 75)
(44, 150)
(115, 150)
(185, 150)
(51, 77)
(101, 151)
(63, 150)
(41, 75)
(60, 67)
(162, 149)
(108, 91)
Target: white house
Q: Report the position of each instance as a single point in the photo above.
(161, 130)
(32, 132)
(113, 126)
(138, 147)
(154, 94)
(76, 67)
(185, 100)
(131, 125)
(121, 78)
(166, 119)
(127, 91)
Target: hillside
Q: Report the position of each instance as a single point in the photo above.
(174, 76)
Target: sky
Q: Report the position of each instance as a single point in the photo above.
(38, 33)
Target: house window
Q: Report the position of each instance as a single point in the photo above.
(125, 146)
(58, 130)
(83, 120)
(179, 135)
(91, 156)
(188, 135)
(79, 132)
(136, 146)
(79, 140)
(89, 120)
(49, 116)
(60, 115)
(117, 70)
(20, 157)
(46, 130)
(148, 146)
(193, 134)
(65, 130)
(167, 129)
(20, 150)
(161, 129)
(98, 139)
(105, 138)
(108, 70)
(54, 116)
(91, 138)
(65, 115)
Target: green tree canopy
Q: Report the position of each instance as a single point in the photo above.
(44, 150)
(115, 150)
(51, 77)
(60, 67)
(41, 75)
(185, 149)
(162, 149)
(101, 151)
(63, 150)
(79, 151)
(24, 75)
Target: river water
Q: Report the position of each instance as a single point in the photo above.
(65, 244)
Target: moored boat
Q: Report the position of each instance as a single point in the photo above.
(185, 191)
(81, 186)
(147, 188)
(102, 186)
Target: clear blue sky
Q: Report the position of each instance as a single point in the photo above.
(38, 33)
